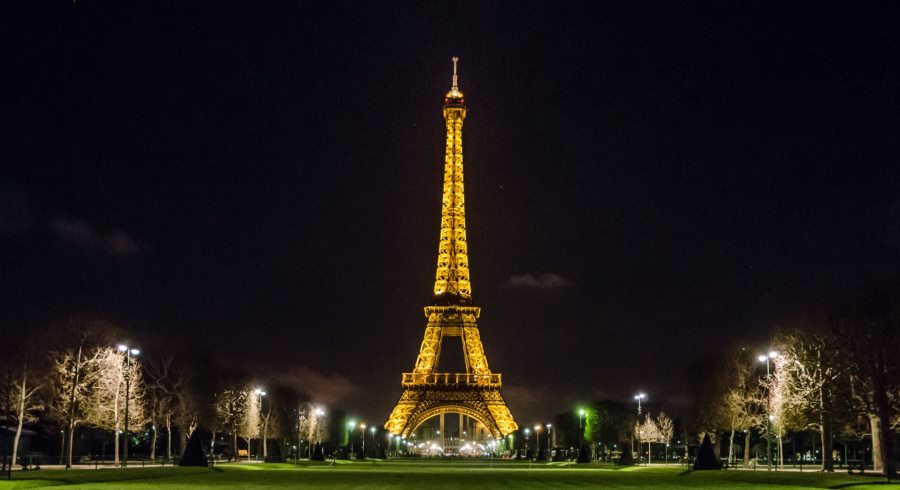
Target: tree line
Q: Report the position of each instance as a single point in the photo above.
(75, 377)
(835, 374)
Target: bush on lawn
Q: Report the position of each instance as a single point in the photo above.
(706, 456)
(194, 453)
(626, 458)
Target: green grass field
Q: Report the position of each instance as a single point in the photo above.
(428, 474)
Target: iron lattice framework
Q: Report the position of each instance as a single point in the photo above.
(427, 392)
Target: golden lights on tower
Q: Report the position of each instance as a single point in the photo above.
(428, 392)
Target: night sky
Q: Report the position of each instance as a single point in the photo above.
(646, 183)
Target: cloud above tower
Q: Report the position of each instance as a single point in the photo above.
(549, 280)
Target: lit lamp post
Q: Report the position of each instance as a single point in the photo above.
(373, 429)
(362, 428)
(316, 414)
(527, 433)
(537, 440)
(549, 447)
(259, 397)
(580, 428)
(129, 352)
(767, 359)
(350, 426)
(639, 397)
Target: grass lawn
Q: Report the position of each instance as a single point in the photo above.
(431, 474)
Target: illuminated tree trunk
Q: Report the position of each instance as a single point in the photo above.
(265, 437)
(71, 421)
(169, 436)
(883, 405)
(731, 447)
(153, 444)
(877, 461)
(827, 442)
(20, 415)
(182, 440)
(116, 426)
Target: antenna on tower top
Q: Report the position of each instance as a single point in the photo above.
(455, 87)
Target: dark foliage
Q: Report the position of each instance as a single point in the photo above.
(194, 453)
(706, 456)
(584, 454)
(626, 458)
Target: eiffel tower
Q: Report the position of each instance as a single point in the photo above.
(428, 392)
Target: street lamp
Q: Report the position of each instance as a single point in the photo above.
(580, 429)
(350, 426)
(527, 433)
(316, 414)
(129, 352)
(260, 393)
(549, 448)
(362, 428)
(537, 440)
(639, 397)
(373, 429)
(767, 359)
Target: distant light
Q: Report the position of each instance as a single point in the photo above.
(762, 358)
(773, 354)
(135, 352)
(372, 429)
(537, 427)
(123, 347)
(320, 412)
(549, 425)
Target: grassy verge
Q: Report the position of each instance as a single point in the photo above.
(437, 475)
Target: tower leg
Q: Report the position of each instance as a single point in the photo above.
(442, 431)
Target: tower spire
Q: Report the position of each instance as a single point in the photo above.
(451, 283)
(455, 84)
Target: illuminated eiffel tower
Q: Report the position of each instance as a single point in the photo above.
(427, 392)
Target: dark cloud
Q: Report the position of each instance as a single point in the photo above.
(544, 281)
(328, 388)
(85, 236)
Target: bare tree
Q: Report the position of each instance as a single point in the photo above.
(250, 428)
(231, 413)
(809, 368)
(73, 375)
(25, 396)
(740, 409)
(647, 431)
(107, 403)
(870, 329)
(666, 430)
(163, 382)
